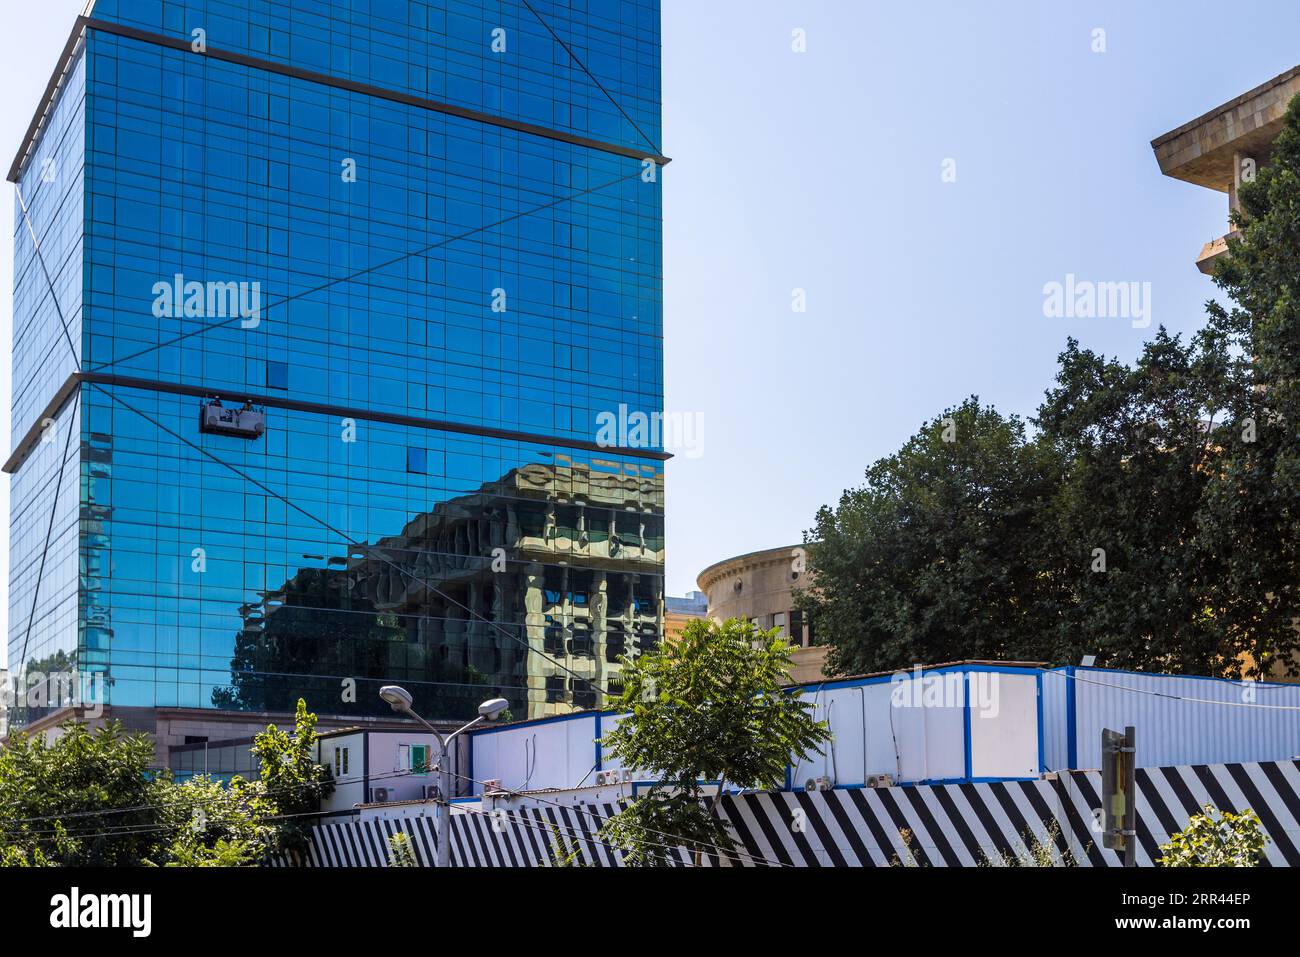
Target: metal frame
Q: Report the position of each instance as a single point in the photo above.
(32, 439)
(85, 24)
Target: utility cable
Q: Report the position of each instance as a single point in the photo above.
(208, 327)
(347, 538)
(609, 96)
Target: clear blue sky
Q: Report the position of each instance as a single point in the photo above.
(821, 171)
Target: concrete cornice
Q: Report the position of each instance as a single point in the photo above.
(1222, 108)
(730, 566)
(1203, 151)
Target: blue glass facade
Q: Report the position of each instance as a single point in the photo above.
(441, 248)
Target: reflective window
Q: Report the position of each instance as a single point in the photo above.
(222, 226)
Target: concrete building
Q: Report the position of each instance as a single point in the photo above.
(760, 587)
(192, 741)
(1224, 147)
(377, 766)
(679, 612)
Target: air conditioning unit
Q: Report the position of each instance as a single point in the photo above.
(491, 785)
(610, 778)
(379, 795)
(822, 783)
(432, 792)
(880, 780)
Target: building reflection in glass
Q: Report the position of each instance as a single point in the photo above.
(533, 588)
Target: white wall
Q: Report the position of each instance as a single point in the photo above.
(349, 789)
(863, 742)
(545, 754)
(913, 729)
(1004, 725)
(388, 768)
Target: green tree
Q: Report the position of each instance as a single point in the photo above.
(1250, 517)
(92, 799)
(1124, 527)
(944, 553)
(292, 777)
(1231, 840)
(707, 708)
(218, 825)
(1186, 465)
(1150, 517)
(85, 799)
(14, 855)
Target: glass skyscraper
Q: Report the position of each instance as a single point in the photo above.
(318, 304)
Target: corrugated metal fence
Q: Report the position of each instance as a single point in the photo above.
(1180, 719)
(948, 825)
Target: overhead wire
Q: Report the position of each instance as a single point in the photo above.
(591, 76)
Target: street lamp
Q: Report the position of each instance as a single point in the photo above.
(400, 700)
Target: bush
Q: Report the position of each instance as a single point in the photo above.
(1233, 840)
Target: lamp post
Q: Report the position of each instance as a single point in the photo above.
(400, 700)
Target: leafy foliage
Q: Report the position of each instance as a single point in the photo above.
(292, 776)
(956, 513)
(708, 707)
(650, 829)
(14, 855)
(401, 853)
(93, 799)
(219, 826)
(1233, 840)
(1034, 850)
(565, 852)
(86, 799)
(1150, 517)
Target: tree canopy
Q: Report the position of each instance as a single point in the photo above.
(93, 798)
(704, 712)
(1146, 514)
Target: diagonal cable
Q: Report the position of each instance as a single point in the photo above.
(49, 532)
(576, 59)
(67, 442)
(40, 257)
(347, 538)
(370, 269)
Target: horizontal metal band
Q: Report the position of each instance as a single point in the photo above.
(311, 76)
(29, 442)
(48, 98)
